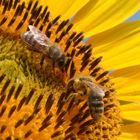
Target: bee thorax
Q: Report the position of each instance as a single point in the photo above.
(54, 52)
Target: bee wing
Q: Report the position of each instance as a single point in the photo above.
(40, 37)
(85, 78)
(86, 81)
(96, 89)
(34, 29)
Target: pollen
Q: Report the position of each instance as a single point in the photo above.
(32, 95)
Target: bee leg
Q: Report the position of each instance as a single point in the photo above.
(42, 60)
(75, 96)
(62, 69)
(53, 65)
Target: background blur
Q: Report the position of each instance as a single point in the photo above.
(135, 16)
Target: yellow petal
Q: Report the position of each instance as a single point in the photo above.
(127, 81)
(131, 115)
(131, 112)
(130, 107)
(66, 8)
(129, 136)
(100, 15)
(133, 128)
(130, 132)
(119, 46)
(130, 98)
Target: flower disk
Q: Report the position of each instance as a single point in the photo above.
(32, 103)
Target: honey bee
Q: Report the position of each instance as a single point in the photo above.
(83, 88)
(39, 42)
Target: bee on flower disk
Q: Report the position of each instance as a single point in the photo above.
(39, 42)
(83, 88)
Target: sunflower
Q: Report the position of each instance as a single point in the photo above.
(32, 104)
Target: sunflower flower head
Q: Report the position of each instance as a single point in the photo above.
(32, 95)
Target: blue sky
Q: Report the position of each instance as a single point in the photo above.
(135, 16)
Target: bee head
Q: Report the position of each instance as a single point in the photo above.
(61, 61)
